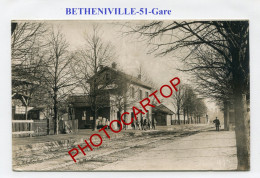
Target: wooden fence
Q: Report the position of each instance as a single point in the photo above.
(23, 128)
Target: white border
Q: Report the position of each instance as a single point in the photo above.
(182, 9)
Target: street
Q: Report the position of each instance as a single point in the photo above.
(184, 147)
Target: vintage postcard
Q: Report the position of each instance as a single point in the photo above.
(130, 95)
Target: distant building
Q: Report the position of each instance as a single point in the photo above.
(162, 115)
(22, 90)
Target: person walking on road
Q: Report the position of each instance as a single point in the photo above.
(217, 123)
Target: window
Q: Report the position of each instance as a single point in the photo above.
(146, 94)
(132, 92)
(140, 94)
(107, 76)
(84, 116)
(19, 110)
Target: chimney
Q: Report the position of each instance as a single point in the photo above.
(114, 65)
(139, 76)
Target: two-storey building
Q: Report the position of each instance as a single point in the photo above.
(112, 92)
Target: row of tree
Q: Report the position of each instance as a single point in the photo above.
(217, 54)
(42, 61)
(188, 104)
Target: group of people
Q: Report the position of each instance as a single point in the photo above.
(102, 122)
(139, 124)
(143, 124)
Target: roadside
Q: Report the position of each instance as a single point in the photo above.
(54, 155)
(207, 150)
(20, 142)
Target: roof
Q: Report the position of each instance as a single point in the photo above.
(85, 100)
(23, 77)
(128, 77)
(17, 95)
(162, 108)
(79, 100)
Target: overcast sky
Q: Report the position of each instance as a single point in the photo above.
(130, 51)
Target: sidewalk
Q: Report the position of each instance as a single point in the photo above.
(208, 150)
(20, 143)
(51, 141)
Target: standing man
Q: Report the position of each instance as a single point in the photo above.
(148, 124)
(153, 123)
(217, 123)
(124, 126)
(142, 123)
(133, 124)
(138, 123)
(145, 123)
(107, 123)
(103, 121)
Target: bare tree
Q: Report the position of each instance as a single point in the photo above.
(200, 110)
(90, 59)
(57, 73)
(27, 58)
(228, 39)
(188, 103)
(26, 38)
(178, 99)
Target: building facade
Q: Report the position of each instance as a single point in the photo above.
(162, 115)
(112, 92)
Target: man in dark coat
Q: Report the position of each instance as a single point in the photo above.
(153, 123)
(145, 124)
(142, 123)
(217, 123)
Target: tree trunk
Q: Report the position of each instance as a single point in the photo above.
(178, 114)
(242, 135)
(26, 112)
(26, 102)
(184, 116)
(125, 102)
(226, 116)
(188, 116)
(95, 103)
(241, 128)
(55, 110)
(95, 114)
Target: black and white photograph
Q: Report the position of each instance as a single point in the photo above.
(130, 95)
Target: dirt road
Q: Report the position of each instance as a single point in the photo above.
(167, 148)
